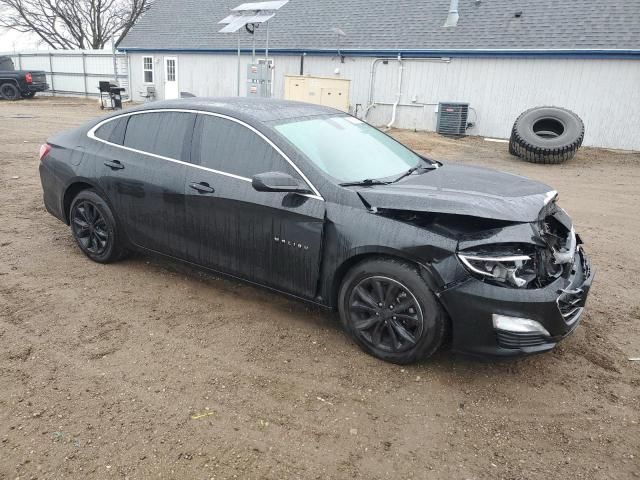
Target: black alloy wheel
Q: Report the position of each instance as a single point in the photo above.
(386, 314)
(94, 228)
(388, 309)
(90, 228)
(9, 92)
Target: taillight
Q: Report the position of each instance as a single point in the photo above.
(44, 151)
(28, 78)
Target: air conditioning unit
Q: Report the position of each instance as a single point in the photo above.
(452, 118)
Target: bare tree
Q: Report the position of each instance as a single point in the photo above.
(67, 24)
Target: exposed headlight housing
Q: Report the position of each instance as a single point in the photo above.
(515, 271)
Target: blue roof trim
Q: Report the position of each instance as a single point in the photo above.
(621, 54)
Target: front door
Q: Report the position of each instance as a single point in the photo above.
(171, 78)
(270, 238)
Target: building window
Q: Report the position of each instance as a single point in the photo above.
(171, 70)
(147, 69)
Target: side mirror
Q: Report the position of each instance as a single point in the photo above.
(278, 182)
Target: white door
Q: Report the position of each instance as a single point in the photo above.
(171, 78)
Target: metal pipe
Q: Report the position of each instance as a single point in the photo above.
(266, 54)
(372, 77)
(239, 63)
(421, 105)
(53, 88)
(253, 35)
(453, 17)
(129, 77)
(115, 61)
(302, 63)
(84, 74)
(395, 105)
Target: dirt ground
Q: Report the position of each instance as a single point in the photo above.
(150, 369)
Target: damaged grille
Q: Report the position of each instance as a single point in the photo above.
(571, 304)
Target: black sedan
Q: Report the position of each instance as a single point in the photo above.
(316, 204)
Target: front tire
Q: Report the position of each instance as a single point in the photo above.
(94, 228)
(390, 312)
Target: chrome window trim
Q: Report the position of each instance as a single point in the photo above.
(92, 135)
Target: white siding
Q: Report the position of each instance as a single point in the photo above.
(605, 93)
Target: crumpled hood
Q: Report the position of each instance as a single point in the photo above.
(464, 190)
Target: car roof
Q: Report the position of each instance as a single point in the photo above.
(242, 108)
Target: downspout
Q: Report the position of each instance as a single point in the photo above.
(302, 63)
(372, 76)
(395, 105)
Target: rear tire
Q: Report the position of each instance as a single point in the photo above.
(94, 228)
(9, 91)
(390, 312)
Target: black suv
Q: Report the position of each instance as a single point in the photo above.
(16, 84)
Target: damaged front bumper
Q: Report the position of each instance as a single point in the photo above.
(557, 307)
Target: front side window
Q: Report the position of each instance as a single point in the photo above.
(161, 133)
(229, 147)
(147, 69)
(348, 149)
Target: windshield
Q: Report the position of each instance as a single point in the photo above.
(349, 150)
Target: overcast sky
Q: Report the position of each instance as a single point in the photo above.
(11, 40)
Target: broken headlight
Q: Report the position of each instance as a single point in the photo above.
(515, 270)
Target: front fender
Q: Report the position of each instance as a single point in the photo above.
(352, 234)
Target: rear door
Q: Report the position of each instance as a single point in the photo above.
(270, 238)
(144, 178)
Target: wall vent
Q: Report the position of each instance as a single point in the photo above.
(452, 118)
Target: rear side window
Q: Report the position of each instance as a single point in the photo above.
(113, 131)
(167, 134)
(229, 147)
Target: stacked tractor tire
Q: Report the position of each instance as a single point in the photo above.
(546, 135)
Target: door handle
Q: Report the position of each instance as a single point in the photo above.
(114, 165)
(202, 187)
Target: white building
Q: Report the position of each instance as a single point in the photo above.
(502, 57)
